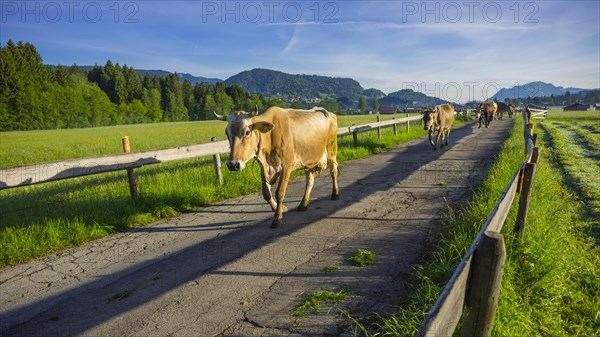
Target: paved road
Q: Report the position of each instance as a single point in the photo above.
(223, 271)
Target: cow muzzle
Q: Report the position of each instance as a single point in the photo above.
(235, 165)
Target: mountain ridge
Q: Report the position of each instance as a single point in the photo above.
(347, 91)
(534, 89)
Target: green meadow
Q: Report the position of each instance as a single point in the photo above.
(42, 218)
(28, 147)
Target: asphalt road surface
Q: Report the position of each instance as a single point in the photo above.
(223, 271)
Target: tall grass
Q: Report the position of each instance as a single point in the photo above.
(42, 218)
(550, 286)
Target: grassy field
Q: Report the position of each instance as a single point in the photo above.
(42, 218)
(550, 286)
(28, 147)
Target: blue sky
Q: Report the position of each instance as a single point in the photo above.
(456, 50)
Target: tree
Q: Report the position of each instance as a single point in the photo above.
(362, 103)
(376, 104)
(329, 105)
(188, 94)
(151, 100)
(133, 84)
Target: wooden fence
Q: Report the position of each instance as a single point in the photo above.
(475, 284)
(538, 113)
(46, 172)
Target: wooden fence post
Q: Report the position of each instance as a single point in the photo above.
(395, 127)
(528, 176)
(378, 128)
(130, 173)
(217, 164)
(355, 137)
(535, 156)
(485, 279)
(407, 125)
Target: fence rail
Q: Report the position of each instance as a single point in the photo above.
(47, 172)
(475, 283)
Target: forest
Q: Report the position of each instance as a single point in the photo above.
(35, 96)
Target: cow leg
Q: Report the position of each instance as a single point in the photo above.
(447, 135)
(310, 181)
(334, 171)
(280, 196)
(266, 188)
(437, 138)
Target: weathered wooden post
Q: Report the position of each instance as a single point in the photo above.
(485, 279)
(217, 164)
(355, 137)
(407, 125)
(395, 127)
(130, 173)
(378, 128)
(527, 184)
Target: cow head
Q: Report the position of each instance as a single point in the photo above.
(244, 136)
(428, 119)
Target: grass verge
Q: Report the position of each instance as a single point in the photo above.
(550, 284)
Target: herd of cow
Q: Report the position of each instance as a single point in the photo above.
(284, 140)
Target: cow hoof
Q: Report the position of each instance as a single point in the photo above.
(276, 224)
(335, 196)
(441, 146)
(435, 148)
(302, 208)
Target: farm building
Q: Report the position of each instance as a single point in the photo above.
(387, 110)
(597, 106)
(576, 107)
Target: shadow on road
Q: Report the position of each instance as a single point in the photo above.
(89, 305)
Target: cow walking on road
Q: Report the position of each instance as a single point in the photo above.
(283, 140)
(502, 108)
(487, 111)
(439, 119)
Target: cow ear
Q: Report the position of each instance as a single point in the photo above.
(263, 127)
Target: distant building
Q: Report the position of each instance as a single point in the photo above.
(387, 110)
(576, 107)
(597, 106)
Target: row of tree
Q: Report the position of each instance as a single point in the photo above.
(35, 96)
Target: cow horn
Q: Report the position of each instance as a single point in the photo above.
(255, 112)
(220, 117)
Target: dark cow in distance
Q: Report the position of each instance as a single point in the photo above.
(439, 119)
(502, 108)
(283, 140)
(487, 110)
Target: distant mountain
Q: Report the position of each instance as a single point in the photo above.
(346, 91)
(373, 93)
(533, 89)
(409, 98)
(272, 83)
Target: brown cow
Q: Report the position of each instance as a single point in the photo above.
(283, 140)
(487, 111)
(502, 108)
(440, 119)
